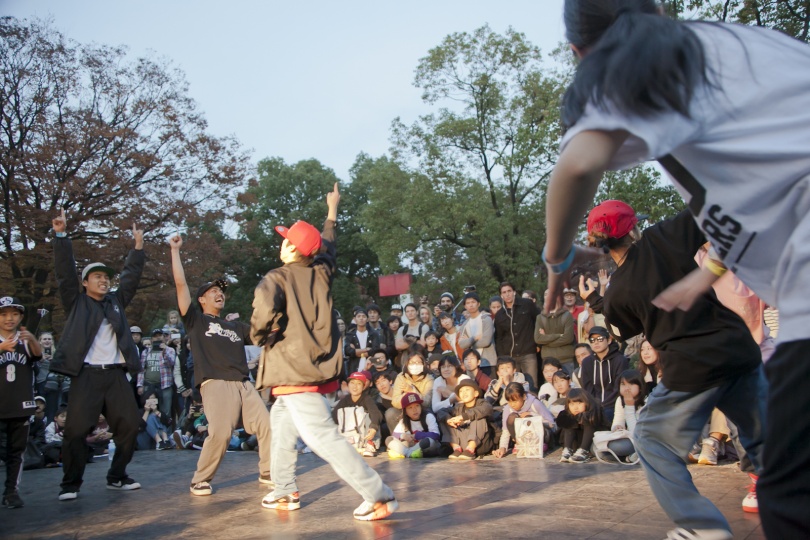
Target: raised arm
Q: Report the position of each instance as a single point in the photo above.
(133, 269)
(183, 294)
(64, 263)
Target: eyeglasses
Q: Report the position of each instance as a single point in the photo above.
(600, 339)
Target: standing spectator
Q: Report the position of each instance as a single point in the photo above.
(174, 322)
(495, 305)
(446, 305)
(96, 351)
(393, 323)
(600, 372)
(412, 332)
(19, 350)
(376, 323)
(478, 332)
(157, 376)
(359, 341)
(514, 331)
(570, 304)
(449, 336)
(554, 332)
(137, 336)
(301, 362)
(47, 345)
(221, 374)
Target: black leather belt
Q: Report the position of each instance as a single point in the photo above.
(104, 366)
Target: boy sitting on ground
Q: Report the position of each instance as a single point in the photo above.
(358, 417)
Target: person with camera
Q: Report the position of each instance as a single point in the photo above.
(157, 376)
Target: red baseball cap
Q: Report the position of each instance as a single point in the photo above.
(409, 399)
(360, 376)
(305, 237)
(613, 218)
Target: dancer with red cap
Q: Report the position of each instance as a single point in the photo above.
(293, 319)
(709, 358)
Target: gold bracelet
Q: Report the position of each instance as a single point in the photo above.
(716, 268)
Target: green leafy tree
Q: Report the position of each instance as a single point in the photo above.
(281, 195)
(789, 16)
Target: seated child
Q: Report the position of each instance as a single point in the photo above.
(53, 439)
(416, 435)
(561, 381)
(358, 417)
(547, 393)
(520, 404)
(579, 420)
(471, 434)
(507, 373)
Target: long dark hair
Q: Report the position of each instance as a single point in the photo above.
(592, 413)
(634, 376)
(636, 60)
(406, 420)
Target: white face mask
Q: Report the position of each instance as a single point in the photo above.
(416, 369)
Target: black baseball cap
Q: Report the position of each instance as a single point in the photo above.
(600, 331)
(221, 283)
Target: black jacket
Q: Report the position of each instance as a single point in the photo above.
(295, 323)
(514, 328)
(600, 378)
(85, 314)
(351, 343)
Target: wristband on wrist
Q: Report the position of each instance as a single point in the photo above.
(559, 268)
(716, 268)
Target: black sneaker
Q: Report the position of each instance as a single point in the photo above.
(127, 484)
(13, 500)
(68, 494)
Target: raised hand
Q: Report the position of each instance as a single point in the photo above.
(176, 241)
(8, 345)
(59, 223)
(138, 235)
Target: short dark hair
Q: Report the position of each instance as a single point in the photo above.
(506, 284)
(410, 304)
(469, 352)
(551, 361)
(532, 294)
(393, 318)
(432, 333)
(503, 360)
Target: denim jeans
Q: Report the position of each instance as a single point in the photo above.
(307, 415)
(164, 396)
(669, 424)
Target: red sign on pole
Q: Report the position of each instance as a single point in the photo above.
(395, 284)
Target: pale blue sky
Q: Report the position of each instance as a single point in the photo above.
(296, 79)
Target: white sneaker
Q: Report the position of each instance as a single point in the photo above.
(699, 534)
(201, 489)
(708, 452)
(374, 511)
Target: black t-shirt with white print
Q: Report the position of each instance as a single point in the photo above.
(698, 349)
(218, 346)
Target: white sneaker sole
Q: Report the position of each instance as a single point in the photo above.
(380, 512)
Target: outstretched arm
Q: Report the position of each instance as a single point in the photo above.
(183, 294)
(571, 190)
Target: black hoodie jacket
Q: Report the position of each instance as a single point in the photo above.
(600, 378)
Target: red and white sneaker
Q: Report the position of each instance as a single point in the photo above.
(749, 503)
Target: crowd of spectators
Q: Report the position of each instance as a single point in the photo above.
(418, 382)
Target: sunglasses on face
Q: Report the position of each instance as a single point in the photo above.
(599, 339)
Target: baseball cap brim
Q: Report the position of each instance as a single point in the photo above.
(97, 267)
